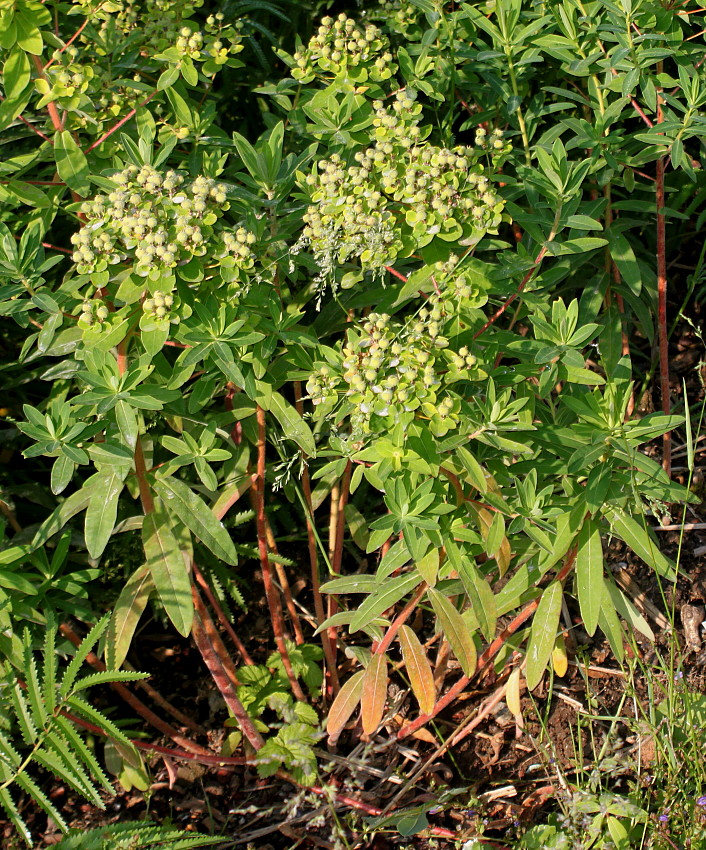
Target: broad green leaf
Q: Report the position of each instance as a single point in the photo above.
(373, 693)
(639, 540)
(455, 631)
(15, 73)
(167, 565)
(624, 258)
(628, 611)
(126, 615)
(589, 574)
(543, 633)
(428, 566)
(103, 510)
(419, 670)
(344, 705)
(294, 427)
(181, 501)
(389, 593)
(71, 163)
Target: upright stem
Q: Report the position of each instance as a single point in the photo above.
(222, 619)
(273, 600)
(338, 525)
(520, 116)
(662, 297)
(329, 654)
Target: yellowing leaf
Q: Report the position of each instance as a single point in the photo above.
(344, 705)
(512, 692)
(455, 631)
(419, 670)
(560, 660)
(372, 700)
(428, 566)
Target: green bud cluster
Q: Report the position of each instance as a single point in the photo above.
(454, 287)
(390, 372)
(159, 305)
(160, 220)
(492, 143)
(93, 312)
(215, 44)
(341, 46)
(356, 210)
(66, 78)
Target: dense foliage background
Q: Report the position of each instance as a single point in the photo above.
(378, 301)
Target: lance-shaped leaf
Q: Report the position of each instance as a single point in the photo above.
(126, 615)
(102, 510)
(181, 501)
(294, 427)
(374, 693)
(639, 540)
(167, 565)
(419, 670)
(589, 574)
(389, 592)
(543, 633)
(455, 631)
(71, 163)
(344, 705)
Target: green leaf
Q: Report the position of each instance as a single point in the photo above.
(294, 427)
(168, 78)
(126, 615)
(168, 567)
(624, 258)
(639, 540)
(16, 73)
(543, 634)
(589, 574)
(103, 510)
(181, 501)
(71, 163)
(455, 631)
(389, 593)
(71, 506)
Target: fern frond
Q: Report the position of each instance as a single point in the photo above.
(34, 687)
(107, 676)
(23, 715)
(8, 804)
(241, 518)
(87, 644)
(10, 756)
(136, 836)
(30, 787)
(50, 671)
(86, 710)
(56, 756)
(82, 751)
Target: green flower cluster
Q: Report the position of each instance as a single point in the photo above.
(492, 143)
(454, 287)
(93, 312)
(159, 305)
(342, 47)
(160, 221)
(390, 372)
(65, 80)
(214, 45)
(356, 211)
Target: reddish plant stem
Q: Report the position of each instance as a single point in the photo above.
(35, 130)
(141, 475)
(119, 124)
(396, 274)
(329, 655)
(337, 549)
(222, 619)
(214, 638)
(486, 657)
(68, 43)
(51, 106)
(273, 599)
(284, 584)
(352, 803)
(401, 619)
(527, 278)
(662, 297)
(222, 680)
(134, 702)
(56, 248)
